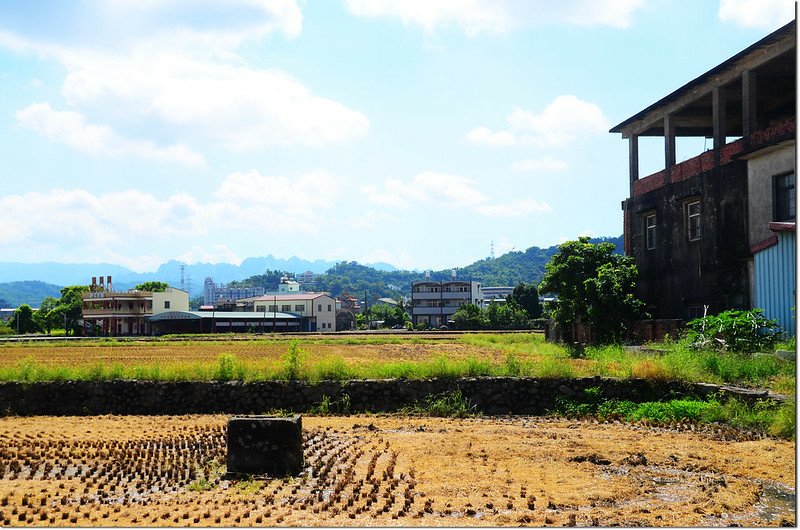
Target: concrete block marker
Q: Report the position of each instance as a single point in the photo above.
(265, 445)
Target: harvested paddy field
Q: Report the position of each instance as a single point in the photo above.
(377, 470)
(357, 351)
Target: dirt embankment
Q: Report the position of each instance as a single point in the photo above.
(390, 470)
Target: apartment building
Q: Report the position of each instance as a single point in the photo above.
(434, 303)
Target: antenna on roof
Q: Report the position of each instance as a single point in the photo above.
(491, 251)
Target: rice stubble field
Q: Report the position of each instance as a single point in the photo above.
(386, 470)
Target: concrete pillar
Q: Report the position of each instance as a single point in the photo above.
(633, 159)
(749, 119)
(718, 117)
(669, 141)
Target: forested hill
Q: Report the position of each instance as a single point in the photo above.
(509, 269)
(14, 294)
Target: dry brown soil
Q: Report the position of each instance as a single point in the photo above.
(147, 353)
(393, 470)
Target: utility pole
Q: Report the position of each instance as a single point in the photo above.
(366, 308)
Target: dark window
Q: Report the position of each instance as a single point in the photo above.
(692, 215)
(286, 307)
(650, 231)
(784, 197)
(299, 307)
(166, 304)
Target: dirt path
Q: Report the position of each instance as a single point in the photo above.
(390, 470)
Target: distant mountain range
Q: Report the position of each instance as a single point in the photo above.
(30, 283)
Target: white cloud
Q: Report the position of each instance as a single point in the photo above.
(40, 224)
(764, 14)
(209, 254)
(449, 191)
(173, 70)
(426, 187)
(514, 208)
(241, 107)
(538, 164)
(70, 128)
(397, 257)
(485, 136)
(498, 16)
(564, 120)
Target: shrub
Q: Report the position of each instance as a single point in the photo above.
(733, 330)
(228, 368)
(293, 360)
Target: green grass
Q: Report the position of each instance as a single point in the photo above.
(521, 355)
(445, 405)
(773, 418)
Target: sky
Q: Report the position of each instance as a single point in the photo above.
(421, 133)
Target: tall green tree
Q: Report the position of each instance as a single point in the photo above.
(469, 316)
(526, 296)
(593, 285)
(46, 318)
(22, 321)
(70, 307)
(153, 287)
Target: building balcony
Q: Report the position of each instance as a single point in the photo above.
(447, 311)
(96, 313)
(703, 162)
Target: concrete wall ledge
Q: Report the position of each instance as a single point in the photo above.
(489, 395)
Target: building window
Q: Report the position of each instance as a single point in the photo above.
(650, 231)
(261, 308)
(166, 304)
(784, 197)
(286, 307)
(329, 307)
(273, 308)
(299, 307)
(319, 307)
(692, 217)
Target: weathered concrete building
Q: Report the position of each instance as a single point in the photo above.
(110, 312)
(695, 227)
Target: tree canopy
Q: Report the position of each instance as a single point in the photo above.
(593, 285)
(153, 287)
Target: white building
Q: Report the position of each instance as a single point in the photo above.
(434, 303)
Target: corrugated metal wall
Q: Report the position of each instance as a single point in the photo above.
(775, 281)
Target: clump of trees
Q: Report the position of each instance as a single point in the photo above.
(53, 313)
(595, 286)
(521, 310)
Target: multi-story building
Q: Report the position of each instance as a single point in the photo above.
(434, 303)
(214, 294)
(497, 294)
(318, 309)
(698, 229)
(114, 313)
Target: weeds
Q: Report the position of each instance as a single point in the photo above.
(445, 405)
(293, 361)
(764, 416)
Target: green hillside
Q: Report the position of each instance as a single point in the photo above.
(14, 294)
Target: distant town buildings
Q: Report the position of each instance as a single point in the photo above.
(497, 294)
(215, 294)
(717, 231)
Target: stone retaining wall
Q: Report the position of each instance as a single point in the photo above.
(500, 395)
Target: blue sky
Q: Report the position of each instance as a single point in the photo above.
(411, 132)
